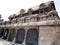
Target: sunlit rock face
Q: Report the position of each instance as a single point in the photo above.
(2, 42)
(39, 25)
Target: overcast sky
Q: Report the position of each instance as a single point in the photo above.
(9, 7)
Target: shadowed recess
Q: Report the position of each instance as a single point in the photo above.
(32, 37)
(20, 35)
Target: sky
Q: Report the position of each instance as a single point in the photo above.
(9, 7)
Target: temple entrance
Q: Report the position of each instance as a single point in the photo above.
(32, 37)
(1, 32)
(12, 34)
(20, 35)
(5, 34)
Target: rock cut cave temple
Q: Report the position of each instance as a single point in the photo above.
(39, 25)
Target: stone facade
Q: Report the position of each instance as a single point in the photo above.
(39, 25)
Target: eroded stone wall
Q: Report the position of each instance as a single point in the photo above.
(47, 35)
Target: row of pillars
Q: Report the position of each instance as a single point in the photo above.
(21, 36)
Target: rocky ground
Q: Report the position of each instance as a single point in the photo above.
(4, 42)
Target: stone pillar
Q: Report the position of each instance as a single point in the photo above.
(24, 42)
(8, 34)
(39, 38)
(14, 38)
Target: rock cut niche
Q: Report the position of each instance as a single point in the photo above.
(5, 34)
(20, 35)
(32, 37)
(1, 32)
(12, 34)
